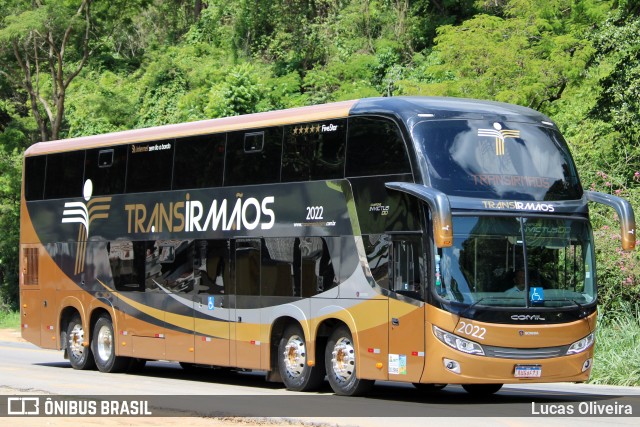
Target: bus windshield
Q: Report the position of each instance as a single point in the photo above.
(501, 160)
(517, 262)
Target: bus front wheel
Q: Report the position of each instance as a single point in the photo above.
(103, 346)
(296, 373)
(481, 389)
(428, 388)
(79, 353)
(340, 361)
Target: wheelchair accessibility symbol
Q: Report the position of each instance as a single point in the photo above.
(536, 294)
(211, 305)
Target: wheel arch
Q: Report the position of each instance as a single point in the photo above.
(70, 306)
(99, 307)
(333, 318)
(276, 332)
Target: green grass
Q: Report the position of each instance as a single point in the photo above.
(616, 353)
(10, 319)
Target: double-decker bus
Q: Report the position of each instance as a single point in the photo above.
(424, 240)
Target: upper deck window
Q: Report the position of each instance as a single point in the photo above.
(253, 157)
(34, 177)
(199, 161)
(150, 166)
(314, 151)
(498, 160)
(375, 147)
(106, 168)
(64, 175)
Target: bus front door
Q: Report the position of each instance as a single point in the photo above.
(406, 311)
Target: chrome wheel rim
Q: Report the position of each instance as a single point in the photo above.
(343, 359)
(105, 343)
(76, 340)
(294, 356)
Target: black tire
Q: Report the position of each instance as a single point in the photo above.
(429, 388)
(136, 365)
(481, 389)
(340, 361)
(80, 355)
(294, 370)
(103, 346)
(189, 367)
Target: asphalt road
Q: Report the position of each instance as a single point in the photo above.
(170, 391)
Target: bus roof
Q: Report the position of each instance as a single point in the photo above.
(403, 108)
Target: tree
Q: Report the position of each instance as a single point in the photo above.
(43, 47)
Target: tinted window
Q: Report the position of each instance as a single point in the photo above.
(253, 142)
(150, 166)
(64, 175)
(248, 267)
(127, 261)
(247, 163)
(407, 268)
(377, 249)
(278, 267)
(34, 177)
(314, 151)
(498, 160)
(375, 147)
(199, 162)
(211, 267)
(107, 168)
(169, 263)
(316, 268)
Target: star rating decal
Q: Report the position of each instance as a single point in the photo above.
(306, 129)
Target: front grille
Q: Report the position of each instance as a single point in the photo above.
(525, 353)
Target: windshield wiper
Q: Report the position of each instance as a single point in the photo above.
(583, 311)
(466, 310)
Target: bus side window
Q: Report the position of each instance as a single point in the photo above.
(150, 165)
(127, 264)
(317, 273)
(248, 267)
(407, 268)
(211, 267)
(314, 151)
(377, 247)
(375, 147)
(253, 157)
(106, 168)
(64, 175)
(34, 177)
(278, 267)
(199, 161)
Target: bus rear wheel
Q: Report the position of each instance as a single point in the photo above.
(293, 364)
(481, 389)
(79, 355)
(340, 362)
(104, 348)
(136, 364)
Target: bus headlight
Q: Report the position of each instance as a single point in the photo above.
(458, 343)
(581, 345)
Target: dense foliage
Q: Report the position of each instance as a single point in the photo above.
(79, 67)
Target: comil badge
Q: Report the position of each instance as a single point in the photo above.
(500, 135)
(84, 214)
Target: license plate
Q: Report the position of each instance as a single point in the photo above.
(528, 371)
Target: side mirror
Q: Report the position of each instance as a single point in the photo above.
(440, 209)
(625, 214)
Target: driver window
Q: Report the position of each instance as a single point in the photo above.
(408, 268)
